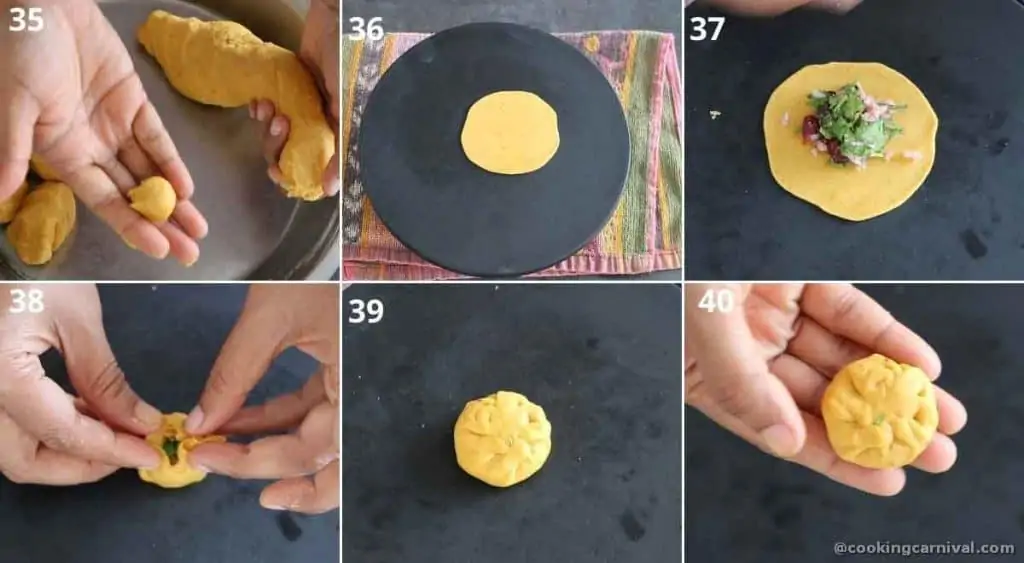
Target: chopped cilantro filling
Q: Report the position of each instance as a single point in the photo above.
(853, 125)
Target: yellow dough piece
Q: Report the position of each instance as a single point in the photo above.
(223, 64)
(880, 413)
(502, 439)
(154, 199)
(174, 445)
(42, 223)
(9, 207)
(510, 133)
(43, 170)
(849, 192)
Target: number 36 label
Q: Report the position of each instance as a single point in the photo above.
(26, 301)
(26, 19)
(370, 311)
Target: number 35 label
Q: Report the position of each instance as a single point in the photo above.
(26, 19)
(370, 311)
(26, 301)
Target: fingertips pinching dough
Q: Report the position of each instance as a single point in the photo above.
(174, 445)
(879, 413)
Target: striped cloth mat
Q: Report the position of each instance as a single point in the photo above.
(644, 235)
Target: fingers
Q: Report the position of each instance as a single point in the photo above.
(190, 219)
(274, 130)
(17, 121)
(23, 460)
(42, 409)
(99, 193)
(952, 414)
(280, 413)
(152, 137)
(256, 339)
(310, 496)
(848, 312)
(736, 377)
(332, 185)
(186, 216)
(183, 247)
(307, 451)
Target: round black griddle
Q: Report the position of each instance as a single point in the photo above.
(458, 215)
(166, 339)
(603, 361)
(743, 506)
(962, 223)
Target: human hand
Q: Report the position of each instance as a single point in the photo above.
(760, 371)
(320, 51)
(276, 318)
(776, 7)
(48, 436)
(71, 95)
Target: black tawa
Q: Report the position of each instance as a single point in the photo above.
(963, 223)
(743, 506)
(459, 216)
(604, 362)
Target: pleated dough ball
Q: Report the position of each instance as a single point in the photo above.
(154, 199)
(502, 439)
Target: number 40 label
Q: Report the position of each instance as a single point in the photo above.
(717, 301)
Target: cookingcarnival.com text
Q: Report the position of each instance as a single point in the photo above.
(844, 549)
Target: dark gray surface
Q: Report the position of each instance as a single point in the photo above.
(549, 15)
(166, 340)
(960, 225)
(743, 506)
(604, 362)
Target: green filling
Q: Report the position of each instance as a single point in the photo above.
(879, 419)
(171, 449)
(841, 114)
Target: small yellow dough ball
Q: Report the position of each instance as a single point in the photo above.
(880, 413)
(502, 439)
(174, 445)
(510, 132)
(154, 199)
(42, 223)
(9, 207)
(43, 170)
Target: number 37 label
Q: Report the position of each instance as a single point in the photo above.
(26, 19)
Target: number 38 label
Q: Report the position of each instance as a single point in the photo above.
(370, 311)
(26, 301)
(26, 19)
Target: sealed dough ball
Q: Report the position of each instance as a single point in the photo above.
(9, 207)
(43, 222)
(880, 413)
(502, 439)
(154, 199)
(174, 445)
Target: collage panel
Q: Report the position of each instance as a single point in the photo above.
(537, 139)
(181, 422)
(169, 140)
(839, 383)
(879, 143)
(512, 423)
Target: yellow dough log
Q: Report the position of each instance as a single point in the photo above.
(880, 413)
(9, 207)
(43, 223)
(502, 439)
(154, 199)
(174, 445)
(43, 170)
(223, 64)
(510, 132)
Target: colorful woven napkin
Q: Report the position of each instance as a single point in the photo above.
(644, 234)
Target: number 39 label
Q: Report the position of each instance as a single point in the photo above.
(26, 19)
(369, 312)
(717, 301)
(26, 301)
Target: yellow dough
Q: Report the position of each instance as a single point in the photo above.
(852, 193)
(175, 473)
(502, 439)
(43, 170)
(42, 223)
(880, 413)
(510, 133)
(154, 199)
(223, 64)
(9, 207)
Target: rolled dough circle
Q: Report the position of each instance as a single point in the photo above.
(510, 132)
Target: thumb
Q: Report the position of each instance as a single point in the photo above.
(95, 375)
(736, 373)
(17, 121)
(256, 339)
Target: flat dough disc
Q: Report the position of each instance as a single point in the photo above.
(846, 191)
(511, 132)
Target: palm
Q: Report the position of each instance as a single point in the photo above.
(791, 339)
(83, 110)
